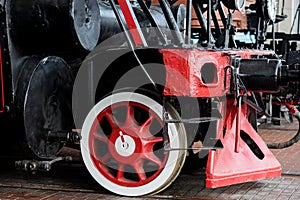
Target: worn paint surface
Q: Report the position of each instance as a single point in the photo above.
(185, 75)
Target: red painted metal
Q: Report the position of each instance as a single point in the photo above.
(238, 125)
(103, 145)
(183, 71)
(1, 84)
(291, 108)
(226, 166)
(132, 23)
(245, 156)
(183, 76)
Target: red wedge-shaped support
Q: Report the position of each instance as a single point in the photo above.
(253, 160)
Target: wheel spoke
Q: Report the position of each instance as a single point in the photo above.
(145, 127)
(152, 140)
(153, 158)
(99, 158)
(105, 157)
(100, 138)
(138, 166)
(130, 120)
(120, 174)
(111, 120)
(148, 143)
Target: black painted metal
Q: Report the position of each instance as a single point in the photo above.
(152, 21)
(179, 11)
(42, 26)
(266, 74)
(208, 19)
(109, 25)
(218, 30)
(6, 91)
(202, 20)
(260, 74)
(178, 38)
(86, 18)
(50, 110)
(70, 26)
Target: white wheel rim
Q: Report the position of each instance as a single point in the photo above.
(171, 167)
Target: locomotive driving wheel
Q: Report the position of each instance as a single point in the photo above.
(47, 106)
(122, 144)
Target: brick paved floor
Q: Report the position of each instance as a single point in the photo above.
(276, 188)
(272, 189)
(288, 157)
(74, 182)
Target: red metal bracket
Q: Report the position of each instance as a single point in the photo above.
(253, 161)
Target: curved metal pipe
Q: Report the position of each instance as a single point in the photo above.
(280, 145)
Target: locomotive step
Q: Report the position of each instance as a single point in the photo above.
(193, 120)
(34, 165)
(215, 116)
(218, 145)
(194, 149)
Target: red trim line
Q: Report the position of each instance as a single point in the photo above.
(1, 83)
(131, 22)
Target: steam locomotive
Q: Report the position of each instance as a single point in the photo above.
(135, 87)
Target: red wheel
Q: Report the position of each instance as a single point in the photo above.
(122, 145)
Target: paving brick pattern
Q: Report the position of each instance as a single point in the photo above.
(73, 182)
(288, 157)
(273, 189)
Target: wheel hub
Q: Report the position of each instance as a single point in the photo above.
(125, 145)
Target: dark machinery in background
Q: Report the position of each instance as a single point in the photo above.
(60, 85)
(261, 16)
